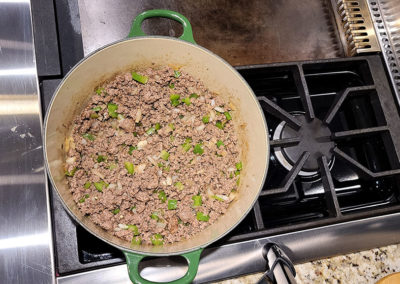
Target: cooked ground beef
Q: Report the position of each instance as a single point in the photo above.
(154, 162)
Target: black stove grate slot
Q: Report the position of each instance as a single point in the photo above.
(337, 76)
(91, 248)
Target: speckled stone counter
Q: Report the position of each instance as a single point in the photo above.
(362, 267)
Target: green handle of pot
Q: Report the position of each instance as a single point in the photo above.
(134, 259)
(136, 29)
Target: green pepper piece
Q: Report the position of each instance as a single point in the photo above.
(186, 146)
(82, 200)
(71, 173)
(115, 211)
(179, 185)
(217, 198)
(97, 109)
(112, 110)
(201, 217)
(157, 126)
(198, 149)
(87, 184)
(174, 98)
(162, 196)
(139, 78)
(94, 115)
(157, 240)
(206, 119)
(88, 136)
(219, 124)
(131, 148)
(172, 204)
(134, 229)
(101, 158)
(86, 195)
(155, 216)
(228, 115)
(100, 185)
(164, 155)
(136, 241)
(239, 166)
(99, 91)
(177, 74)
(197, 200)
(171, 85)
(194, 96)
(129, 167)
(150, 131)
(172, 126)
(187, 101)
(220, 143)
(135, 134)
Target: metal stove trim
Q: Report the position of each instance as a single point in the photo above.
(388, 39)
(236, 259)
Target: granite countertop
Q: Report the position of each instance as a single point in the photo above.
(363, 267)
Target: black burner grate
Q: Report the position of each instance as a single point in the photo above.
(361, 179)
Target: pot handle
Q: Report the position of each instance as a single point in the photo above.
(136, 29)
(134, 259)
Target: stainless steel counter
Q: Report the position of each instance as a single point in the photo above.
(25, 235)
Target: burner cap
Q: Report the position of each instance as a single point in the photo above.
(315, 138)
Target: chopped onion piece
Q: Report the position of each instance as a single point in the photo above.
(140, 168)
(161, 225)
(119, 185)
(231, 169)
(83, 141)
(123, 226)
(169, 180)
(142, 144)
(224, 197)
(212, 102)
(201, 127)
(212, 116)
(232, 195)
(209, 192)
(219, 109)
(138, 116)
(112, 186)
(174, 178)
(70, 160)
(151, 159)
(159, 173)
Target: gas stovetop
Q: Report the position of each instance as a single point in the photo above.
(333, 181)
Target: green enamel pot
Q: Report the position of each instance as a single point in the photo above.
(139, 51)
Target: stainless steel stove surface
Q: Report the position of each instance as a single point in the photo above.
(333, 181)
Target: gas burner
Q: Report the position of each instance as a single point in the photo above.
(314, 137)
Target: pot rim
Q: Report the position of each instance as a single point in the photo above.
(205, 244)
